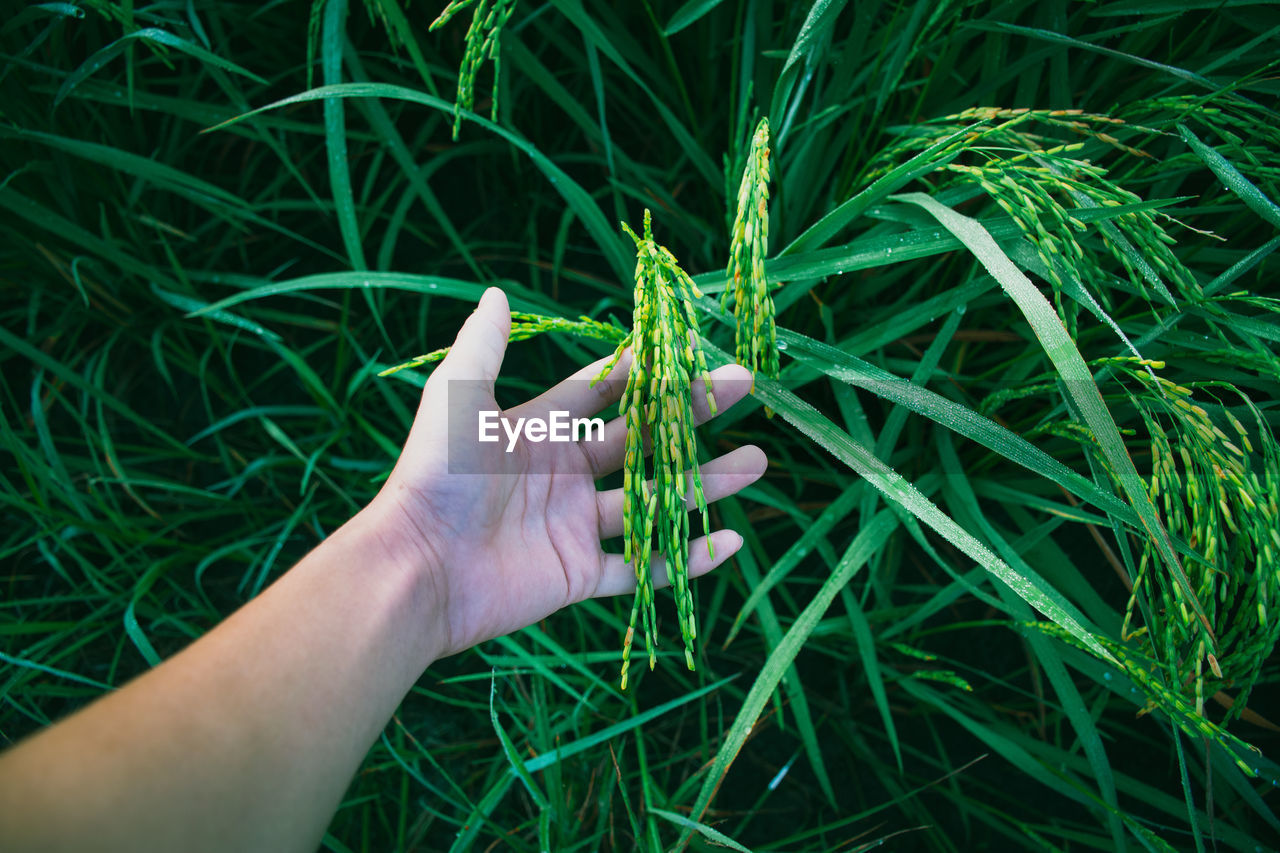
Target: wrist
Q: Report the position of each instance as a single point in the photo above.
(385, 540)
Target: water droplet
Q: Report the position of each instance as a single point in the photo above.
(782, 344)
(888, 251)
(1107, 676)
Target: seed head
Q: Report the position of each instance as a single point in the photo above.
(748, 288)
(658, 402)
(483, 41)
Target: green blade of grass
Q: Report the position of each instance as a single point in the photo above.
(894, 487)
(962, 420)
(688, 14)
(1231, 178)
(426, 284)
(574, 11)
(514, 761)
(870, 538)
(335, 133)
(817, 234)
(1072, 704)
(715, 836)
(475, 822)
(792, 686)
(1059, 38)
(152, 34)
(818, 24)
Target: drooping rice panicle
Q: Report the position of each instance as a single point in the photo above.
(483, 41)
(658, 404)
(1041, 181)
(1217, 490)
(1145, 674)
(1215, 477)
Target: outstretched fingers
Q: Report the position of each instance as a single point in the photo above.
(729, 384)
(723, 476)
(618, 578)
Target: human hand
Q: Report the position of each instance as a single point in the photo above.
(507, 547)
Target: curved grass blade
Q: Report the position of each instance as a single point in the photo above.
(436, 285)
(1058, 38)
(819, 21)
(688, 14)
(1075, 375)
(190, 305)
(153, 34)
(715, 836)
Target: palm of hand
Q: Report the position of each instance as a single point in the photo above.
(519, 541)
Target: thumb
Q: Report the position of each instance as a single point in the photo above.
(482, 341)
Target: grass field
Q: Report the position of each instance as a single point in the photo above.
(1013, 578)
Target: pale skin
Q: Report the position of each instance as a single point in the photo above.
(247, 739)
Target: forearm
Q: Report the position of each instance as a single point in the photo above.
(247, 739)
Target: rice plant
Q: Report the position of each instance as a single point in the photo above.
(657, 404)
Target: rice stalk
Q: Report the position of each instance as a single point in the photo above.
(658, 403)
(525, 326)
(1248, 133)
(755, 335)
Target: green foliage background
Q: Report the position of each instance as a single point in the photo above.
(192, 321)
